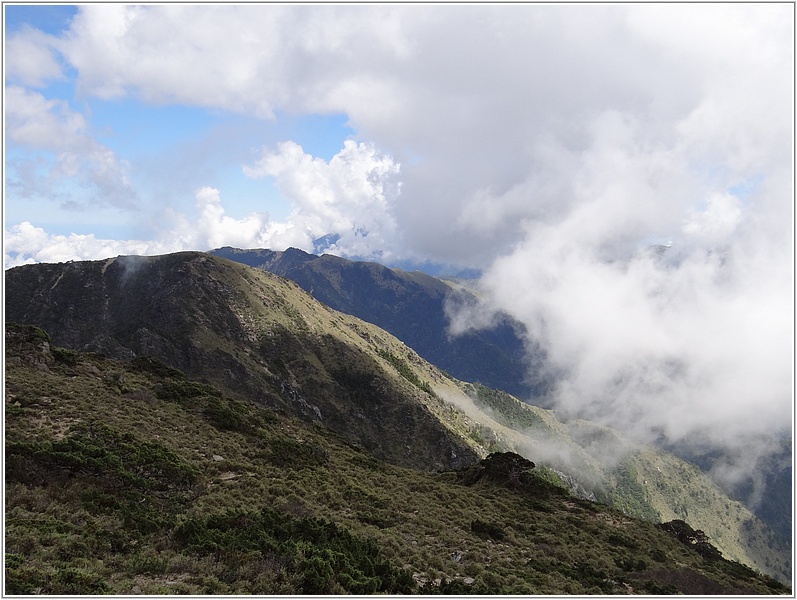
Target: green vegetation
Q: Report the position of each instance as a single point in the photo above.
(329, 559)
(629, 495)
(246, 340)
(404, 369)
(508, 410)
(160, 485)
(94, 449)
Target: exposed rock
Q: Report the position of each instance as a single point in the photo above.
(504, 468)
(29, 346)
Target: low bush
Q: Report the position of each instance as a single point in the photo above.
(328, 558)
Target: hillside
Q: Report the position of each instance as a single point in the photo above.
(262, 339)
(412, 306)
(251, 332)
(409, 305)
(130, 478)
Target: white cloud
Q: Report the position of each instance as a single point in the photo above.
(36, 123)
(278, 56)
(697, 340)
(30, 58)
(351, 196)
(477, 122)
(212, 228)
(24, 243)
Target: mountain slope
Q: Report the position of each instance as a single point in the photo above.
(261, 338)
(247, 330)
(129, 478)
(411, 306)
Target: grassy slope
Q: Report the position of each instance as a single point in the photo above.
(128, 478)
(242, 315)
(641, 481)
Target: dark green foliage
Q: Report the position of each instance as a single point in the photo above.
(24, 579)
(489, 530)
(184, 391)
(589, 576)
(94, 449)
(72, 581)
(64, 355)
(153, 366)
(618, 539)
(692, 538)
(329, 558)
(406, 371)
(630, 563)
(504, 468)
(30, 332)
(228, 415)
(290, 453)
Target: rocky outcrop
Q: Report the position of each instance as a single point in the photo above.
(27, 345)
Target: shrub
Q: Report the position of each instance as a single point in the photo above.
(96, 450)
(326, 557)
(490, 530)
(72, 581)
(147, 364)
(65, 356)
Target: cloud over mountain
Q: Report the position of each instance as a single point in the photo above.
(549, 145)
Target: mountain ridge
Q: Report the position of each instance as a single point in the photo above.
(411, 305)
(262, 338)
(130, 478)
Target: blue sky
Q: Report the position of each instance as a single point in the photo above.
(171, 149)
(543, 145)
(53, 18)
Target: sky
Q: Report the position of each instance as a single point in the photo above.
(552, 147)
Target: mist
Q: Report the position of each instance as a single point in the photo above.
(661, 306)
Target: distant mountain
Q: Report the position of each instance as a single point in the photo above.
(411, 306)
(265, 342)
(130, 478)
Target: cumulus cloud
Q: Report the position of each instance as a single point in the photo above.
(25, 243)
(278, 56)
(350, 196)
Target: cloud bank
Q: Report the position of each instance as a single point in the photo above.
(349, 195)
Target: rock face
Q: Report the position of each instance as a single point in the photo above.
(27, 345)
(252, 333)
